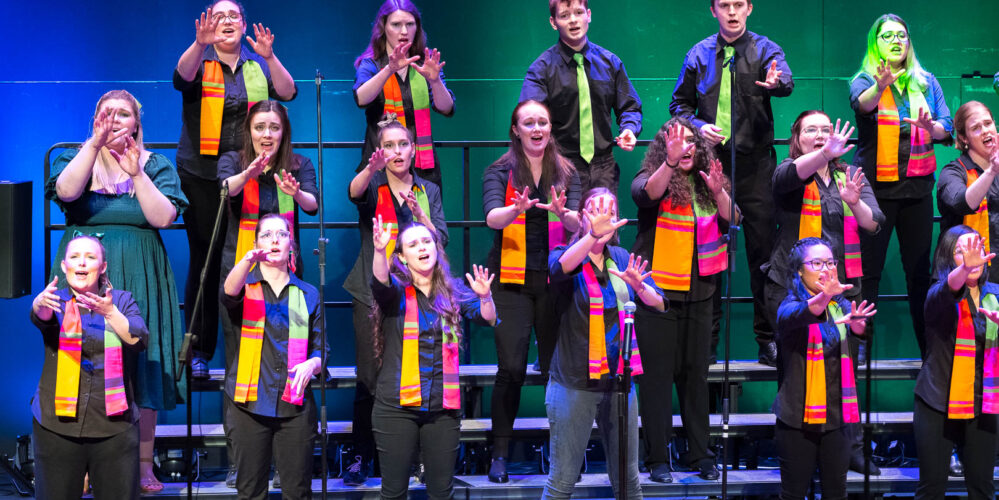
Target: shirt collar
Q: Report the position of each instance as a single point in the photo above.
(739, 43)
(211, 55)
(567, 52)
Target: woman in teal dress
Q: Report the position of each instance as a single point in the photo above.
(103, 192)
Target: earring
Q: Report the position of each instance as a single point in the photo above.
(404, 262)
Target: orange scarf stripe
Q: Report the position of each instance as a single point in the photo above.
(513, 253)
(979, 221)
(962, 380)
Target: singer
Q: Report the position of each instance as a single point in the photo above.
(592, 279)
(681, 192)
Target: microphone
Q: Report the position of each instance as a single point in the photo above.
(629, 311)
(629, 331)
(225, 189)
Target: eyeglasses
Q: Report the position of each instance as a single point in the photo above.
(231, 16)
(816, 130)
(281, 235)
(887, 36)
(819, 265)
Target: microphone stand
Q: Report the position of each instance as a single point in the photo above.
(733, 232)
(321, 252)
(623, 391)
(183, 358)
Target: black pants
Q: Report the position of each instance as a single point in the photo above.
(199, 221)
(402, 434)
(367, 379)
(912, 220)
(936, 436)
(289, 440)
(674, 347)
(522, 308)
(602, 171)
(754, 174)
(62, 461)
(799, 451)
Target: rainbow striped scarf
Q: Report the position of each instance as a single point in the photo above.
(961, 402)
(674, 244)
(409, 373)
(385, 207)
(922, 161)
(251, 341)
(810, 224)
(513, 255)
(815, 373)
(213, 99)
(979, 221)
(68, 366)
(597, 346)
(249, 216)
(420, 93)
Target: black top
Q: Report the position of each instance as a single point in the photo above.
(551, 79)
(374, 110)
(701, 287)
(695, 96)
(793, 321)
(570, 363)
(391, 299)
(494, 182)
(229, 166)
(189, 158)
(788, 191)
(933, 381)
(357, 281)
(953, 207)
(274, 353)
(91, 419)
(867, 138)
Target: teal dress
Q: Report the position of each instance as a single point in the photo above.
(137, 262)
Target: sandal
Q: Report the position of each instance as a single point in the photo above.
(149, 484)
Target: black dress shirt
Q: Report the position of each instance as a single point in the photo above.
(274, 353)
(793, 321)
(695, 96)
(953, 207)
(551, 79)
(933, 381)
(494, 182)
(357, 281)
(91, 419)
(189, 158)
(391, 299)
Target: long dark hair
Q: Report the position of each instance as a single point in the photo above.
(285, 157)
(679, 194)
(556, 170)
(446, 292)
(794, 150)
(943, 258)
(376, 47)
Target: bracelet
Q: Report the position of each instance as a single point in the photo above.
(594, 236)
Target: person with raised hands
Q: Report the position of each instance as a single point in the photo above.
(397, 73)
(956, 396)
(900, 114)
(968, 192)
(530, 197)
(387, 187)
(816, 388)
(85, 416)
(113, 187)
(416, 335)
(592, 279)
(270, 410)
(683, 208)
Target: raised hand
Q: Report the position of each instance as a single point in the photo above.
(836, 145)
(923, 121)
(993, 316)
(523, 201)
(829, 283)
(773, 77)
(710, 132)
(377, 160)
(381, 234)
(635, 273)
(103, 129)
(626, 140)
(994, 158)
(850, 190)
(676, 149)
(602, 217)
(257, 255)
(432, 64)
(128, 160)
(47, 301)
(414, 206)
(557, 205)
(204, 29)
(859, 313)
(884, 77)
(98, 304)
(258, 165)
(398, 60)
(714, 178)
(264, 43)
(287, 183)
(974, 253)
(480, 280)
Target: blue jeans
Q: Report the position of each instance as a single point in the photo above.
(570, 415)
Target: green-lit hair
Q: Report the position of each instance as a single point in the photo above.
(914, 72)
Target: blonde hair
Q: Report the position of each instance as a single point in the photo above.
(104, 162)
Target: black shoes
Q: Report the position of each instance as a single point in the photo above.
(357, 472)
(707, 470)
(857, 465)
(497, 470)
(276, 482)
(768, 354)
(956, 467)
(660, 473)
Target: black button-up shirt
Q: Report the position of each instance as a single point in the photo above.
(953, 207)
(551, 79)
(695, 96)
(91, 419)
(189, 158)
(274, 353)
(494, 182)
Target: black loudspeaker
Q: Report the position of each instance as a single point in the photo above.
(15, 239)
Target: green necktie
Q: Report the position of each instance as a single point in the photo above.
(585, 112)
(723, 118)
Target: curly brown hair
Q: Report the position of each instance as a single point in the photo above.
(679, 194)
